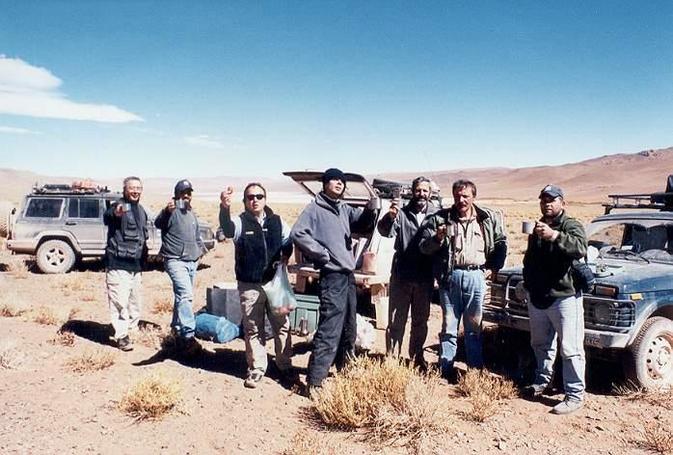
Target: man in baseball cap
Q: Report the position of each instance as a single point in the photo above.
(555, 306)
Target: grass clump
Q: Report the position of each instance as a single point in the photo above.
(152, 397)
(389, 401)
(63, 338)
(484, 392)
(309, 442)
(19, 269)
(10, 356)
(662, 398)
(150, 337)
(91, 360)
(162, 305)
(10, 309)
(657, 436)
(45, 316)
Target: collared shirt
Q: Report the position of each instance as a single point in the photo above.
(468, 242)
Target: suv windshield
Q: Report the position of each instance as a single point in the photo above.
(648, 240)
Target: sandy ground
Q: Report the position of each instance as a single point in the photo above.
(47, 408)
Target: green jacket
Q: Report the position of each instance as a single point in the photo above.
(495, 240)
(547, 264)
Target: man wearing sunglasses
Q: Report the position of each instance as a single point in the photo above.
(323, 234)
(181, 248)
(261, 240)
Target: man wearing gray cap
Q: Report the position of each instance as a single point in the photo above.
(181, 248)
(555, 307)
(323, 234)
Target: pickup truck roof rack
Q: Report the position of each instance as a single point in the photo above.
(657, 201)
(61, 188)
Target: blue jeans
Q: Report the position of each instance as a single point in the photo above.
(462, 295)
(182, 275)
(565, 318)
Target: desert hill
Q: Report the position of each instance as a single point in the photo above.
(586, 181)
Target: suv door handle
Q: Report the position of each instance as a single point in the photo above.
(70, 223)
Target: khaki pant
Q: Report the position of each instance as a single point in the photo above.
(124, 299)
(254, 308)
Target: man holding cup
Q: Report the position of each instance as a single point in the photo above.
(469, 245)
(262, 240)
(125, 255)
(555, 307)
(411, 277)
(181, 248)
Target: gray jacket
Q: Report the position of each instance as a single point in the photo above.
(408, 263)
(323, 232)
(180, 236)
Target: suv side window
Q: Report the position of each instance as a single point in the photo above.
(84, 208)
(44, 208)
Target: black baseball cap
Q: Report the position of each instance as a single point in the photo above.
(182, 187)
(552, 191)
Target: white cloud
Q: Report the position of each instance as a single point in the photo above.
(33, 91)
(203, 140)
(13, 130)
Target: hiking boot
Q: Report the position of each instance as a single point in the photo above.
(421, 364)
(254, 378)
(535, 390)
(567, 406)
(289, 377)
(125, 344)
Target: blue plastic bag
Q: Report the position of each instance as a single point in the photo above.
(216, 328)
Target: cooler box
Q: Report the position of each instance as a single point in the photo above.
(223, 300)
(307, 309)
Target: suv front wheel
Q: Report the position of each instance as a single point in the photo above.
(55, 256)
(651, 354)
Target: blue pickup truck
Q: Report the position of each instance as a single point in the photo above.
(629, 313)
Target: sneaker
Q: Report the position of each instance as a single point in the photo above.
(567, 406)
(254, 378)
(125, 344)
(535, 390)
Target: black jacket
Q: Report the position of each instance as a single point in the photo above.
(126, 238)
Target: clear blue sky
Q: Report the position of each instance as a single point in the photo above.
(207, 88)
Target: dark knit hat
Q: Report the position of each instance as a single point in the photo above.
(182, 186)
(333, 174)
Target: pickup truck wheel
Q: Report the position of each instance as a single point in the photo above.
(5, 217)
(651, 362)
(55, 256)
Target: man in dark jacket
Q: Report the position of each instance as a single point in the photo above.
(411, 277)
(262, 240)
(555, 307)
(181, 248)
(125, 255)
(469, 245)
(323, 234)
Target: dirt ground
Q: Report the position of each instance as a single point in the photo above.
(45, 407)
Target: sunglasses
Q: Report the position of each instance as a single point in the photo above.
(252, 197)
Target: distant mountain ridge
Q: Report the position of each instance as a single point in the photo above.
(585, 181)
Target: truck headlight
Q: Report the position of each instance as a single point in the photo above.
(603, 312)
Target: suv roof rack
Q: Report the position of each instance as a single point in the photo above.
(75, 188)
(657, 201)
(388, 188)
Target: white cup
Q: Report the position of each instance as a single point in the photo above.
(527, 226)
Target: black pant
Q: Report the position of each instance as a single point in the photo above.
(335, 337)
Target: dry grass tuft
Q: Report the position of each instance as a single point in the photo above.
(10, 356)
(91, 360)
(10, 309)
(308, 442)
(150, 337)
(657, 436)
(390, 401)
(19, 269)
(73, 313)
(44, 315)
(662, 398)
(152, 397)
(484, 391)
(63, 338)
(162, 305)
